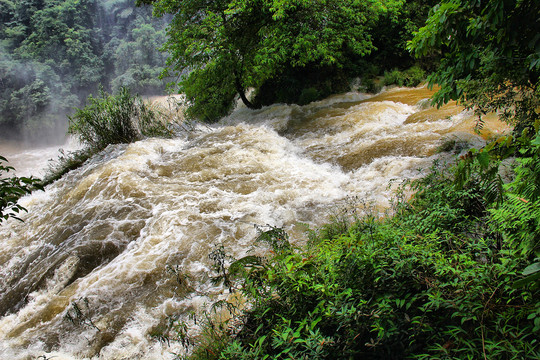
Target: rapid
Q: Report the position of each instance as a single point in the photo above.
(108, 243)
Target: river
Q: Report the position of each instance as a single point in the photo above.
(109, 239)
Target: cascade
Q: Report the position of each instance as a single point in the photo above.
(106, 244)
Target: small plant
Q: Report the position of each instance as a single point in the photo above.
(454, 145)
(308, 95)
(110, 119)
(411, 77)
(414, 76)
(172, 330)
(220, 262)
(183, 285)
(66, 162)
(78, 313)
(394, 77)
(369, 85)
(214, 337)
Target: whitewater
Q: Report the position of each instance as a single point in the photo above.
(124, 240)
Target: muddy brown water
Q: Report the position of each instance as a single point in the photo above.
(105, 237)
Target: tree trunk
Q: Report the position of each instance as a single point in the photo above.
(240, 90)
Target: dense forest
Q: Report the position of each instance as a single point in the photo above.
(54, 53)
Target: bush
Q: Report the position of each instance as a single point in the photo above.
(394, 77)
(115, 119)
(382, 291)
(411, 77)
(414, 76)
(369, 85)
(65, 163)
(308, 95)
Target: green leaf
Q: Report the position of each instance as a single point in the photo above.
(533, 268)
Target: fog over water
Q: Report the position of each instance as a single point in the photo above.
(105, 236)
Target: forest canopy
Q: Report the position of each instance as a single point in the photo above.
(222, 48)
(490, 56)
(54, 53)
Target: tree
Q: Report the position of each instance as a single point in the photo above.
(138, 63)
(394, 30)
(221, 48)
(490, 56)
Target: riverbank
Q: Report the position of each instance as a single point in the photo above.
(449, 274)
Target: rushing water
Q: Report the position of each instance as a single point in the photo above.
(104, 238)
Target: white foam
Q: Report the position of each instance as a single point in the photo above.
(139, 208)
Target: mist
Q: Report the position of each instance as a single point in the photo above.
(53, 55)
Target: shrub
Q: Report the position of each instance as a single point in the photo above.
(414, 76)
(411, 77)
(109, 119)
(454, 145)
(65, 163)
(369, 85)
(114, 119)
(394, 77)
(381, 291)
(308, 95)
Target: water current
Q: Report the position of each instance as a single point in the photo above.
(101, 243)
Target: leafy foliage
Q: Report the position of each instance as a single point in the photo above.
(410, 77)
(11, 189)
(519, 217)
(392, 32)
(115, 119)
(53, 53)
(452, 274)
(65, 162)
(490, 56)
(78, 313)
(222, 48)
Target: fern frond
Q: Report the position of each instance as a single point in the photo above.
(519, 219)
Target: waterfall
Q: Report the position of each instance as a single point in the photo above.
(103, 239)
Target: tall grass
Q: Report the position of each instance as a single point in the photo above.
(110, 119)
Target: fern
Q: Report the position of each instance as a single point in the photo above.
(519, 217)
(519, 220)
(527, 181)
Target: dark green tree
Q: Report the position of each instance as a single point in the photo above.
(490, 55)
(221, 48)
(54, 53)
(138, 61)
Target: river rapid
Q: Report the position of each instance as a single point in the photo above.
(108, 242)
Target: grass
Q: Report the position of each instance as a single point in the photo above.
(115, 119)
